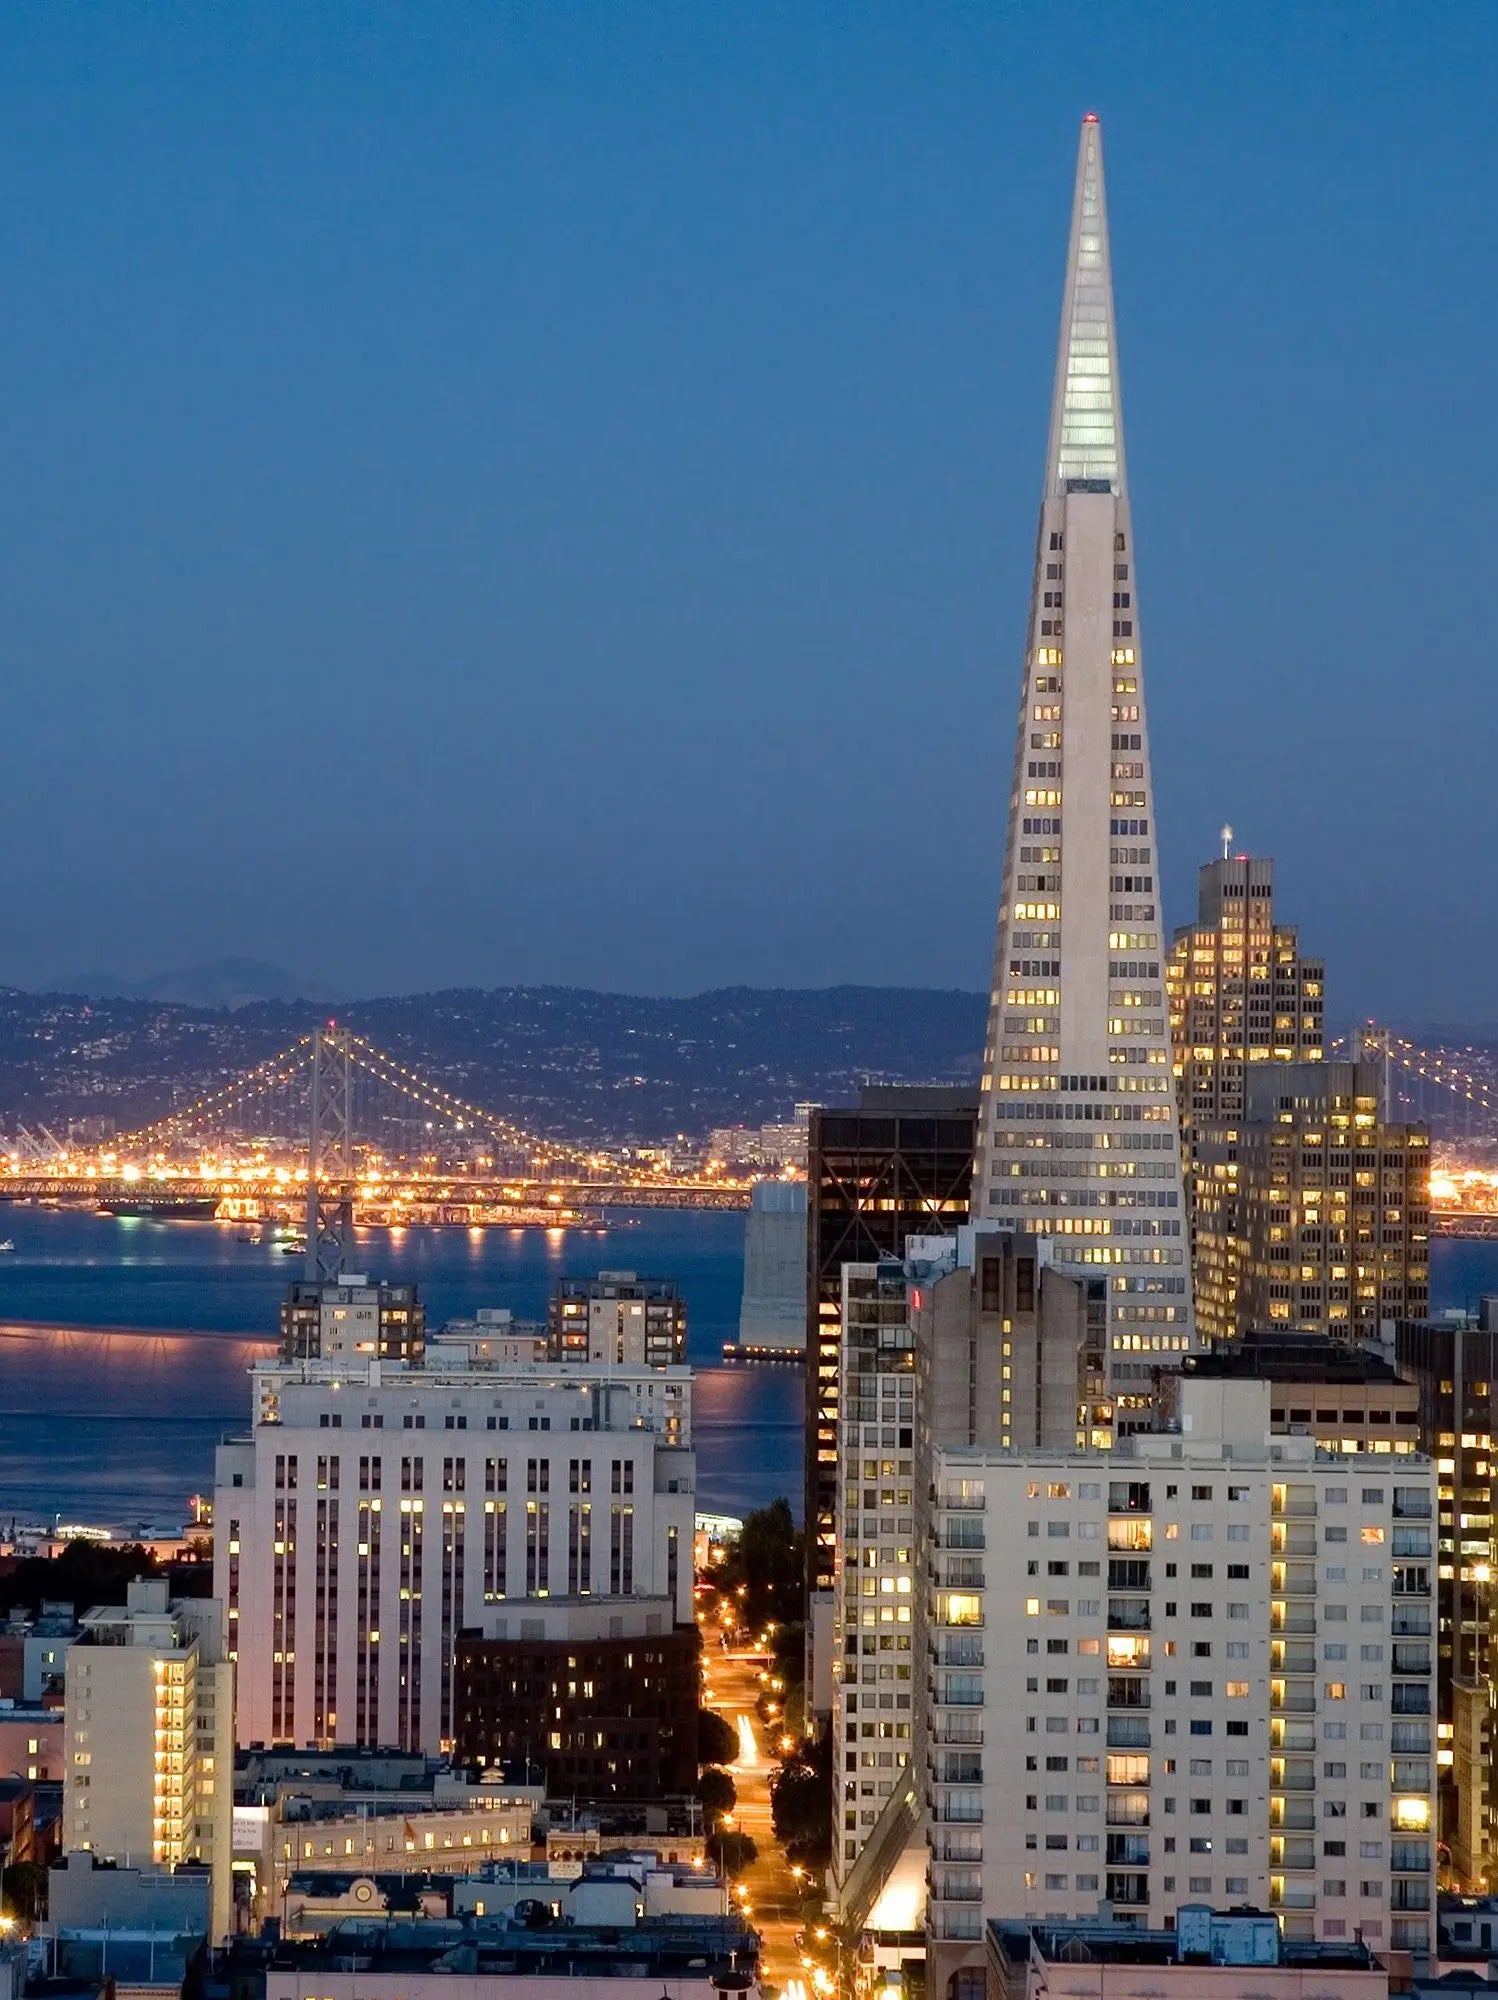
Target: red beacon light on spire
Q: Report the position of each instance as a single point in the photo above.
(1091, 118)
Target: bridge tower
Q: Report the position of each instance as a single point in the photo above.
(330, 1154)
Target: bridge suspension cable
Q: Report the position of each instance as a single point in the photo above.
(434, 1097)
(295, 1061)
(271, 1074)
(1432, 1066)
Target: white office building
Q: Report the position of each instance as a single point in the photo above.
(375, 1512)
(1197, 1668)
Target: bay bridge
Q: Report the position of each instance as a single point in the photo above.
(335, 1131)
(335, 1117)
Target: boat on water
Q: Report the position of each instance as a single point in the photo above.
(6, 1245)
(163, 1207)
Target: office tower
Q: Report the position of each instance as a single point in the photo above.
(898, 1164)
(618, 1317)
(1325, 1217)
(148, 1727)
(772, 1313)
(1453, 1364)
(350, 1319)
(1078, 1136)
(1198, 1669)
(374, 1515)
(1240, 993)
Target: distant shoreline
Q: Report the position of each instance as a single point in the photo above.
(10, 1325)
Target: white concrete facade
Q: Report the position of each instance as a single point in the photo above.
(149, 1737)
(375, 1513)
(1078, 1136)
(874, 1597)
(1199, 1667)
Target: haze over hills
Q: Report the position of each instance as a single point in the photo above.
(563, 1061)
(221, 982)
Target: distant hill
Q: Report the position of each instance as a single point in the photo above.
(562, 1060)
(222, 982)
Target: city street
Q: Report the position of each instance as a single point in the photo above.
(731, 1685)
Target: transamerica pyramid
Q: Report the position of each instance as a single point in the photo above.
(1078, 1137)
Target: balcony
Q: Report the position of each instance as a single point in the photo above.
(1292, 1538)
(1292, 1815)
(1412, 1542)
(1411, 1739)
(1290, 1896)
(1411, 1857)
(962, 1535)
(1129, 1892)
(959, 1573)
(1411, 1621)
(957, 1809)
(1411, 1659)
(1411, 1506)
(1291, 1698)
(1125, 1732)
(1128, 1850)
(1128, 1573)
(1124, 1811)
(965, 1729)
(1128, 1691)
(1294, 1657)
(1292, 1579)
(1293, 1781)
(1130, 1535)
(1411, 1582)
(1411, 1700)
(1128, 1614)
(1409, 1895)
(1292, 1618)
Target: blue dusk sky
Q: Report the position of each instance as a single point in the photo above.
(540, 492)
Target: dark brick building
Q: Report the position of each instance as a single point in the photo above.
(606, 1717)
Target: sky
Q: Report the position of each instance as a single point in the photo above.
(520, 493)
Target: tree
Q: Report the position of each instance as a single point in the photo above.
(717, 1739)
(764, 1570)
(24, 1889)
(730, 1853)
(716, 1791)
(801, 1804)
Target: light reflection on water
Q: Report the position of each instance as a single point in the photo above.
(120, 1425)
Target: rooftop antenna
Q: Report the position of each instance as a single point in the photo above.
(1227, 843)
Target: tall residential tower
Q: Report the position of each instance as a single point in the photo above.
(1078, 1137)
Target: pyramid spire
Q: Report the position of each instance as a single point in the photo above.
(1086, 441)
(1078, 1136)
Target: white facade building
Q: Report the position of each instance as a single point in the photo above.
(1197, 1668)
(375, 1512)
(149, 1737)
(1077, 1132)
(876, 1574)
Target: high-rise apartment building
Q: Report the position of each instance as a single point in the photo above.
(1324, 1213)
(979, 1339)
(148, 1728)
(351, 1319)
(1196, 1669)
(1078, 1136)
(619, 1317)
(374, 1515)
(898, 1164)
(1240, 993)
(1453, 1364)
